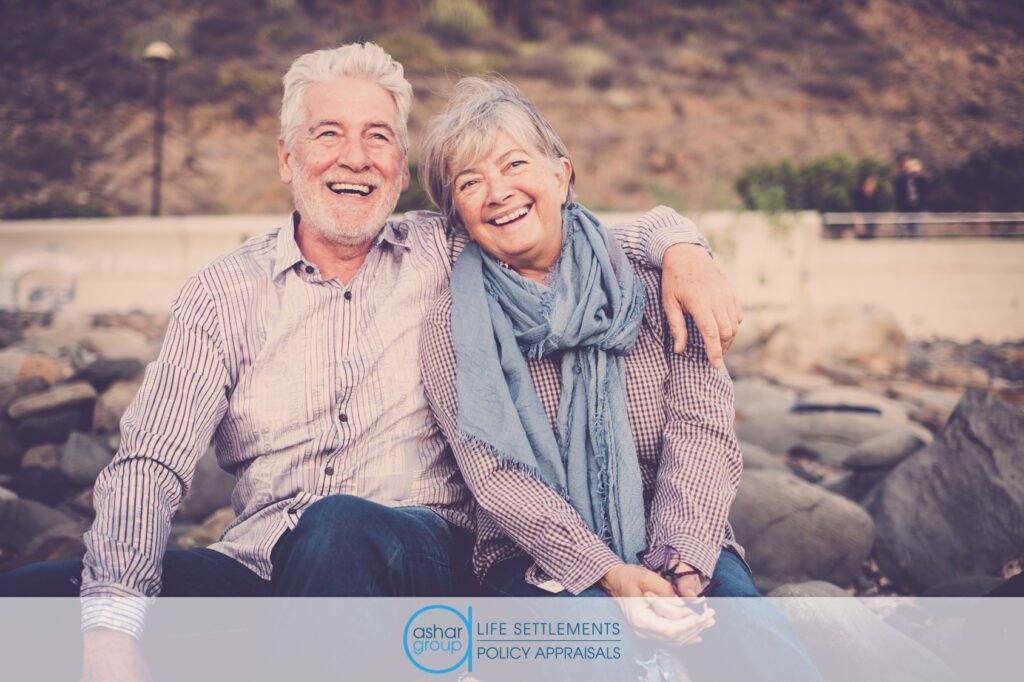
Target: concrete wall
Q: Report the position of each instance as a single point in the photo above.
(951, 288)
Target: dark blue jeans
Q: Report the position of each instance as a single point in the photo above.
(751, 638)
(342, 546)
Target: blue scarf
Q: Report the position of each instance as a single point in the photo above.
(591, 311)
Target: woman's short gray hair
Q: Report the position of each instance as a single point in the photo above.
(477, 110)
(361, 60)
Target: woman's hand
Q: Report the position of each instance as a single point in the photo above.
(692, 283)
(652, 608)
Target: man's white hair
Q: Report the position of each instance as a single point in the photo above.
(360, 60)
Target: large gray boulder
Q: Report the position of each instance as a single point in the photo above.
(827, 436)
(794, 531)
(885, 450)
(757, 397)
(956, 507)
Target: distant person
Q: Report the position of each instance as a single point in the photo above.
(865, 200)
(909, 188)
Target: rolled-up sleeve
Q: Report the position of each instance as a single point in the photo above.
(165, 430)
(700, 463)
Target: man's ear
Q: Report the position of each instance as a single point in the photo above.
(564, 176)
(284, 170)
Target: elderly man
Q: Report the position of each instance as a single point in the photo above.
(297, 355)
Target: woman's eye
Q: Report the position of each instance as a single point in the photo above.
(466, 185)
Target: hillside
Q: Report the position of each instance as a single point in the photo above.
(658, 102)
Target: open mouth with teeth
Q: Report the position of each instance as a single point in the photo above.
(508, 218)
(350, 188)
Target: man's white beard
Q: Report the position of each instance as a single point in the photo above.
(336, 227)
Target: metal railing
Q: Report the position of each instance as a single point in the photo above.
(836, 225)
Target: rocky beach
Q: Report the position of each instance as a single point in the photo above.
(874, 465)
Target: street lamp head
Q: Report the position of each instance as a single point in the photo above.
(158, 51)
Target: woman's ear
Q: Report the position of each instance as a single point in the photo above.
(564, 178)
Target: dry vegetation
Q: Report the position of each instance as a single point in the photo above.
(658, 101)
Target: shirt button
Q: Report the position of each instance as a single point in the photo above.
(343, 417)
(348, 295)
(309, 269)
(329, 471)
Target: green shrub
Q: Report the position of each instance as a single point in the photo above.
(456, 19)
(824, 184)
(988, 180)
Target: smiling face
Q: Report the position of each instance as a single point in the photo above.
(346, 166)
(510, 201)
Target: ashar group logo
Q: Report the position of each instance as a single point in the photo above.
(438, 639)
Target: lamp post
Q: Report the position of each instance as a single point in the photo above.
(160, 55)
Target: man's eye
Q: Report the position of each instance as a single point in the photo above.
(380, 137)
(516, 164)
(327, 133)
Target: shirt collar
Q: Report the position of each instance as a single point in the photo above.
(395, 232)
(288, 253)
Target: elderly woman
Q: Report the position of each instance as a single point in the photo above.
(602, 462)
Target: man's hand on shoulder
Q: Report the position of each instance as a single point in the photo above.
(692, 283)
(112, 656)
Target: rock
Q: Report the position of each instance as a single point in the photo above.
(795, 531)
(83, 458)
(811, 588)
(10, 392)
(46, 456)
(849, 395)
(862, 334)
(885, 450)
(847, 641)
(22, 520)
(957, 376)
(211, 490)
(828, 436)
(48, 486)
(209, 531)
(111, 406)
(54, 427)
(956, 507)
(967, 586)
(120, 343)
(61, 396)
(60, 542)
(854, 485)
(10, 449)
(11, 360)
(81, 504)
(39, 366)
(756, 397)
(756, 457)
(784, 374)
(103, 372)
(929, 406)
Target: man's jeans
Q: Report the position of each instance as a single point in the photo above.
(342, 546)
